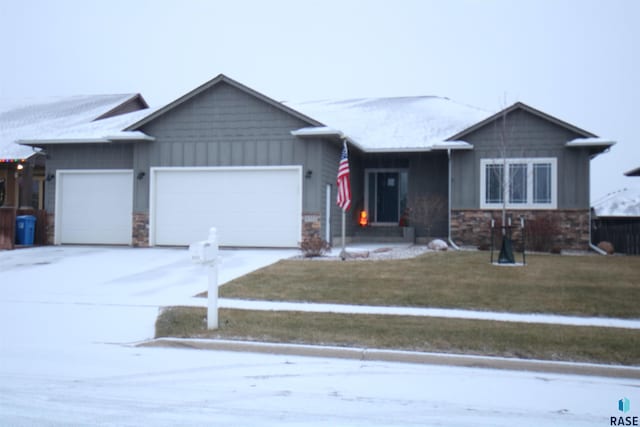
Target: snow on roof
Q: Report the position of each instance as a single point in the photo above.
(103, 130)
(625, 202)
(52, 118)
(418, 123)
(590, 142)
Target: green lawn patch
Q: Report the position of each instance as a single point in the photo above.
(570, 285)
(528, 341)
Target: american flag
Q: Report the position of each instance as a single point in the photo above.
(344, 186)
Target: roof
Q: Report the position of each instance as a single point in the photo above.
(418, 123)
(623, 203)
(54, 118)
(633, 172)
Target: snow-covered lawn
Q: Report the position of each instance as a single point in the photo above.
(65, 314)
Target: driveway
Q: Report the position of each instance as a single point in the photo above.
(120, 288)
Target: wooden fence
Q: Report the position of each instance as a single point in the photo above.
(8, 226)
(622, 233)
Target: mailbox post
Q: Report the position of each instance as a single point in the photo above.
(206, 252)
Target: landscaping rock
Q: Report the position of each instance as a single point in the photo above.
(438, 245)
(606, 246)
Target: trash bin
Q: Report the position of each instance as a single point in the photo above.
(25, 229)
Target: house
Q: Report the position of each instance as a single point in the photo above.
(263, 172)
(616, 219)
(22, 168)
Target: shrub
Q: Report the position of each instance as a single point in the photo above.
(425, 211)
(314, 246)
(542, 232)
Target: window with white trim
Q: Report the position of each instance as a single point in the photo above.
(526, 183)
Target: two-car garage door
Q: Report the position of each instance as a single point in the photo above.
(250, 206)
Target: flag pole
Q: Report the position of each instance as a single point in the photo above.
(344, 192)
(343, 254)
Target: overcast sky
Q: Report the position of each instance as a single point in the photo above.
(577, 60)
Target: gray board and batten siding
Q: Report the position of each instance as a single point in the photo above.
(527, 136)
(225, 126)
(83, 156)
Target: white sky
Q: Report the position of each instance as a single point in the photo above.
(575, 59)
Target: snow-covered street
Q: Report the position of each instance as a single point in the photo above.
(69, 314)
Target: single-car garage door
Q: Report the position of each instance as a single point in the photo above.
(94, 207)
(249, 206)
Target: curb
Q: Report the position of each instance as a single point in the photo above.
(378, 355)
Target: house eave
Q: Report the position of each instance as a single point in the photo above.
(590, 142)
(102, 140)
(328, 132)
(633, 172)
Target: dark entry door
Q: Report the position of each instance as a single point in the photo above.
(387, 197)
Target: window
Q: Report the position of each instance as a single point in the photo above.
(542, 183)
(528, 183)
(494, 178)
(518, 183)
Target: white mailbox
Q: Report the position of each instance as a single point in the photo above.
(203, 252)
(206, 252)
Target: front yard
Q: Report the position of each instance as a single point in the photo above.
(569, 285)
(572, 285)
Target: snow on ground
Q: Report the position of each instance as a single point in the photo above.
(65, 313)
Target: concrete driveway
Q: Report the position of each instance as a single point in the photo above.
(107, 293)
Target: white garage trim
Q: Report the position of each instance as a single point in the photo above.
(258, 206)
(93, 206)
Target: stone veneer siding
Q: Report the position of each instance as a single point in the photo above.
(472, 227)
(50, 230)
(310, 224)
(140, 234)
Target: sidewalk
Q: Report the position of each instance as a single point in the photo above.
(603, 322)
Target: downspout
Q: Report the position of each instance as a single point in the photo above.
(450, 240)
(591, 245)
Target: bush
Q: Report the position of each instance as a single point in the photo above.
(314, 246)
(542, 232)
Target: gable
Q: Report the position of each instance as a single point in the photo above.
(220, 80)
(521, 131)
(222, 111)
(519, 106)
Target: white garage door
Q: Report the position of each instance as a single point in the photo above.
(94, 207)
(249, 206)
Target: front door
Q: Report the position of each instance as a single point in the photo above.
(386, 195)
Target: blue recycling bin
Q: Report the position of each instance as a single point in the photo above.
(25, 229)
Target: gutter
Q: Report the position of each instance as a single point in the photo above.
(449, 239)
